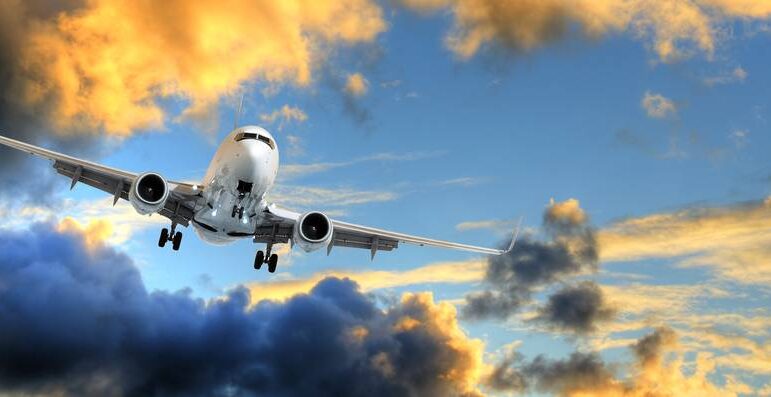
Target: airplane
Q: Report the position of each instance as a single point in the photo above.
(231, 203)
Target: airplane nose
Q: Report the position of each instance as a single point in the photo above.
(253, 166)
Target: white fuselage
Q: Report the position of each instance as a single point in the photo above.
(240, 174)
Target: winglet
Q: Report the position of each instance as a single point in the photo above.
(514, 237)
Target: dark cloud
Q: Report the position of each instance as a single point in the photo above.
(22, 177)
(649, 349)
(511, 278)
(588, 374)
(580, 371)
(352, 107)
(505, 376)
(576, 308)
(80, 322)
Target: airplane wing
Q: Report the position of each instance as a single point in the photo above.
(179, 207)
(351, 235)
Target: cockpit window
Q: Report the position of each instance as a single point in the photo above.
(250, 135)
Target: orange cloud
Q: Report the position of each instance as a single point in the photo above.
(443, 272)
(566, 212)
(735, 241)
(284, 115)
(94, 233)
(356, 84)
(107, 64)
(672, 28)
(657, 105)
(463, 369)
(659, 369)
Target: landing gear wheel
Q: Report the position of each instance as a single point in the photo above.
(272, 263)
(259, 259)
(164, 237)
(233, 212)
(176, 241)
(240, 212)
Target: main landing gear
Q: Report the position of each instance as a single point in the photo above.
(260, 258)
(174, 236)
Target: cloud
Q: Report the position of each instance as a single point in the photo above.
(99, 218)
(648, 349)
(289, 171)
(284, 115)
(295, 146)
(576, 308)
(566, 214)
(23, 178)
(658, 106)
(464, 181)
(733, 337)
(372, 280)
(88, 73)
(81, 322)
(94, 233)
(739, 138)
(672, 29)
(293, 196)
(511, 278)
(587, 374)
(356, 85)
(737, 75)
(733, 240)
(500, 226)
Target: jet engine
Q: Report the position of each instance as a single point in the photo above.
(148, 193)
(312, 231)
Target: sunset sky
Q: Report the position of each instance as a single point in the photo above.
(632, 136)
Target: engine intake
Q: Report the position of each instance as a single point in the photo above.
(312, 231)
(148, 193)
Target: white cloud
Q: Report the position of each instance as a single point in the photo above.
(737, 75)
(739, 138)
(295, 145)
(318, 197)
(289, 171)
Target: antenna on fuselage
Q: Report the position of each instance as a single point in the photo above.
(238, 112)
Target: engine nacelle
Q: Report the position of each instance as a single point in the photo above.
(312, 231)
(148, 193)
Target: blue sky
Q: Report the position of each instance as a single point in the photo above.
(674, 189)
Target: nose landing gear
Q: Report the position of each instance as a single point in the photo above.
(174, 236)
(237, 211)
(266, 257)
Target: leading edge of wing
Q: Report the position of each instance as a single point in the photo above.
(185, 188)
(423, 241)
(52, 155)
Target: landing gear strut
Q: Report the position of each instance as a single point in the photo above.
(237, 211)
(266, 257)
(174, 236)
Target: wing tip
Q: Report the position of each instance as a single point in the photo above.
(514, 236)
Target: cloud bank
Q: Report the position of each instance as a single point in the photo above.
(587, 374)
(83, 71)
(672, 29)
(79, 321)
